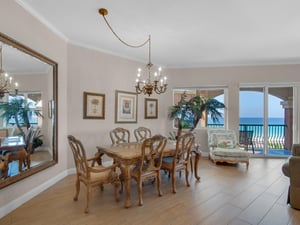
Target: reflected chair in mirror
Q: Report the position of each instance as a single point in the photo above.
(3, 133)
(148, 167)
(23, 154)
(142, 133)
(4, 160)
(180, 160)
(89, 174)
(119, 135)
(246, 139)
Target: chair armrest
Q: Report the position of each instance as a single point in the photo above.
(212, 146)
(103, 169)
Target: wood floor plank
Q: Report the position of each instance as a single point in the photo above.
(226, 194)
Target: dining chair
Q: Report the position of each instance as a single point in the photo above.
(119, 135)
(4, 160)
(148, 167)
(181, 158)
(23, 154)
(142, 133)
(3, 132)
(89, 174)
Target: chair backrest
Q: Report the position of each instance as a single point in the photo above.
(79, 156)
(152, 151)
(245, 137)
(119, 135)
(4, 132)
(222, 138)
(29, 138)
(183, 148)
(142, 133)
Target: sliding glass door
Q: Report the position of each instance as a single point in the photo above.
(252, 119)
(266, 115)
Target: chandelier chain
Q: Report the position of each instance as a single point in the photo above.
(158, 85)
(124, 42)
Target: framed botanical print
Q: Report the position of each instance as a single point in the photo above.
(93, 105)
(126, 107)
(151, 108)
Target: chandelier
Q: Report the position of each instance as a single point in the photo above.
(6, 85)
(148, 86)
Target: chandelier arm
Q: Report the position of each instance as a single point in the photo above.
(104, 12)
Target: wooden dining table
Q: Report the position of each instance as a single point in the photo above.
(128, 154)
(12, 143)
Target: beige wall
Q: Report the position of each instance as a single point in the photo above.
(93, 71)
(18, 24)
(232, 78)
(81, 69)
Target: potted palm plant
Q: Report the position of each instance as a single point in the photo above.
(20, 109)
(187, 113)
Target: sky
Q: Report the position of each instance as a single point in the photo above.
(251, 105)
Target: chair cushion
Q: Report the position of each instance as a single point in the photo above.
(168, 159)
(233, 152)
(225, 143)
(103, 176)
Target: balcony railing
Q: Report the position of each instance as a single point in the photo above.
(276, 134)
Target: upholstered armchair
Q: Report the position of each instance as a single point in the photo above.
(291, 169)
(224, 147)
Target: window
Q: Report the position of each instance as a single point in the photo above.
(206, 120)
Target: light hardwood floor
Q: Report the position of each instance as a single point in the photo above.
(226, 194)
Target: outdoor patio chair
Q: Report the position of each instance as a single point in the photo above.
(245, 139)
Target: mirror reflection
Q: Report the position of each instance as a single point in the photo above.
(27, 111)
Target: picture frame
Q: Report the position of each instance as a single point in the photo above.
(125, 107)
(93, 105)
(151, 108)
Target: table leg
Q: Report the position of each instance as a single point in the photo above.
(127, 177)
(197, 158)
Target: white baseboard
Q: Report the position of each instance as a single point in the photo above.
(4, 210)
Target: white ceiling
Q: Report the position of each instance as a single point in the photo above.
(190, 33)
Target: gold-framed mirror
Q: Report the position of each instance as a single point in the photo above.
(36, 75)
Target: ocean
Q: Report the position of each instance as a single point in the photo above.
(276, 125)
(257, 120)
(254, 120)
